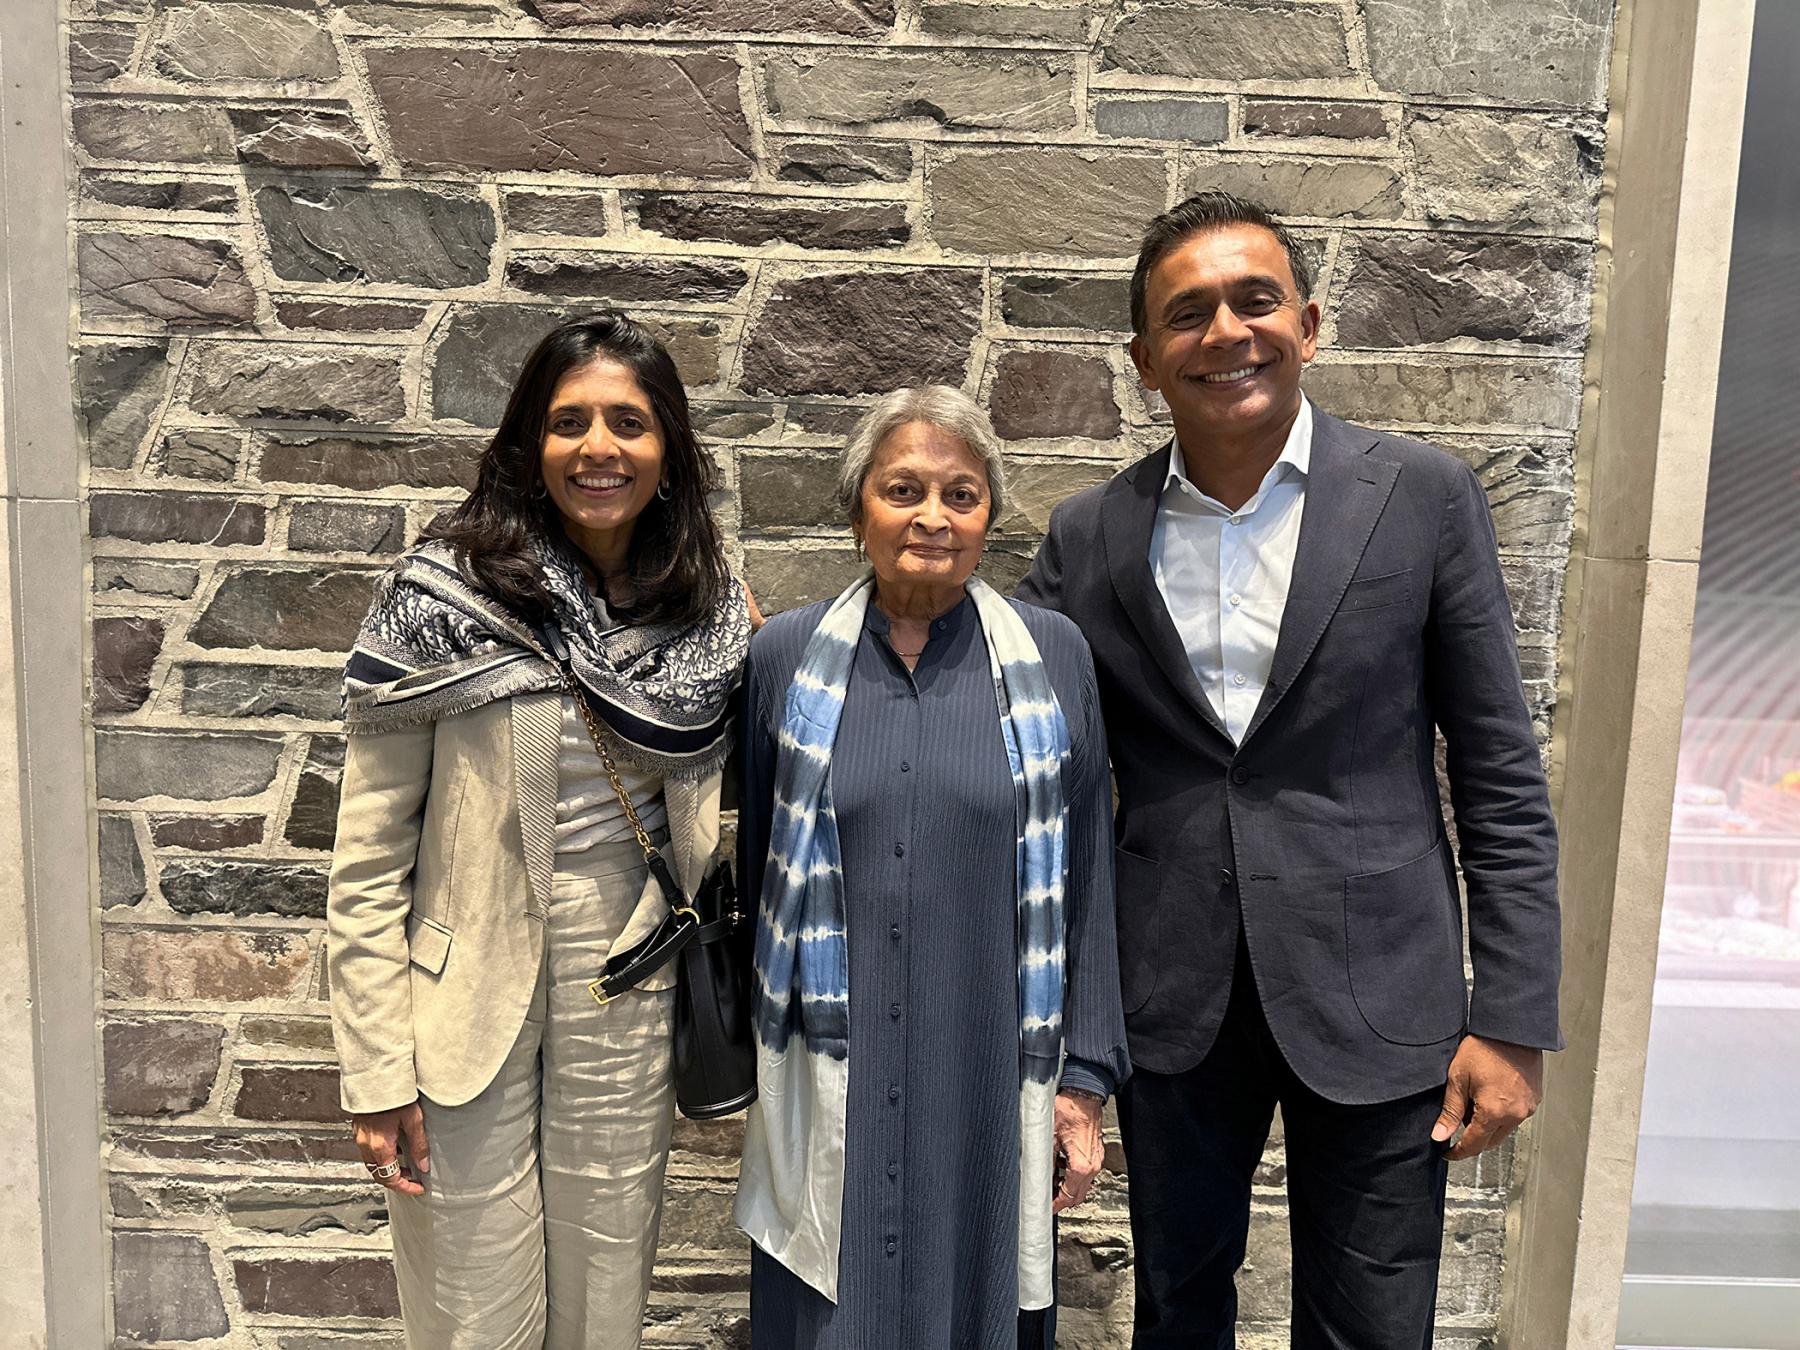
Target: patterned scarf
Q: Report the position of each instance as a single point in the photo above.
(434, 645)
(791, 1200)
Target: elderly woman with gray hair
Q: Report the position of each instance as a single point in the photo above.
(925, 835)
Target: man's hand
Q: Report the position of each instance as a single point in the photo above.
(1078, 1141)
(379, 1136)
(1494, 1087)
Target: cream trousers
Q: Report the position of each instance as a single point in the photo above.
(539, 1219)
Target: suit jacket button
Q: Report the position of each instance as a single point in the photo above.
(1225, 877)
(1240, 775)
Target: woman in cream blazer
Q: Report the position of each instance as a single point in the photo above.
(487, 862)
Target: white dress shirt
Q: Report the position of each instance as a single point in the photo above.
(1224, 574)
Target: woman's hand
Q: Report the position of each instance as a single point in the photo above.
(378, 1137)
(1078, 1141)
(756, 615)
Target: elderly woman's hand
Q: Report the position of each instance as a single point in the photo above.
(1078, 1142)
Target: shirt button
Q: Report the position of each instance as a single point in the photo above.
(905, 766)
(894, 932)
(894, 1010)
(893, 1092)
(1237, 599)
(1238, 678)
(899, 850)
(1237, 520)
(892, 1246)
(1240, 775)
(893, 1169)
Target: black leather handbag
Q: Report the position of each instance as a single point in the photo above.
(715, 1056)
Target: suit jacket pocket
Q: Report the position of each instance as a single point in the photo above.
(1403, 933)
(1382, 592)
(1139, 890)
(428, 942)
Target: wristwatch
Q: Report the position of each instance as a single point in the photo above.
(1094, 1097)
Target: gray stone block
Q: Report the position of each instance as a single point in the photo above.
(160, 194)
(625, 279)
(1507, 170)
(346, 527)
(227, 886)
(1044, 200)
(369, 463)
(400, 236)
(1096, 304)
(164, 1289)
(567, 109)
(1034, 490)
(301, 138)
(1304, 187)
(312, 819)
(1066, 24)
(1412, 290)
(1509, 51)
(153, 132)
(302, 1210)
(176, 518)
(291, 382)
(1232, 41)
(99, 52)
(1450, 390)
(851, 18)
(841, 163)
(1198, 121)
(285, 609)
(864, 332)
(786, 576)
(754, 221)
(963, 91)
(119, 390)
(203, 42)
(196, 766)
(370, 316)
(206, 834)
(125, 651)
(788, 488)
(121, 862)
(211, 456)
(153, 580)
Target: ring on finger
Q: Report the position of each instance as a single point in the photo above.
(386, 1171)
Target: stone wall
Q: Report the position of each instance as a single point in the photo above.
(315, 237)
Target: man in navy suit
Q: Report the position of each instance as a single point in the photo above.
(1284, 608)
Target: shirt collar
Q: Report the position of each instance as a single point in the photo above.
(1296, 452)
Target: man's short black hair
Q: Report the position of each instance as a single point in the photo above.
(1202, 212)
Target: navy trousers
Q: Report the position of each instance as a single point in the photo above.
(1365, 1197)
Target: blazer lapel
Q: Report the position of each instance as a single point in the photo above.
(1127, 517)
(537, 736)
(1346, 491)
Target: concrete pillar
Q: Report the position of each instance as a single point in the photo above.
(1680, 71)
(52, 1267)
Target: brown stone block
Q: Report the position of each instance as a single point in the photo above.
(1097, 304)
(1414, 289)
(196, 766)
(206, 834)
(368, 463)
(1469, 1282)
(241, 886)
(159, 194)
(1231, 41)
(623, 279)
(400, 236)
(529, 211)
(958, 91)
(346, 527)
(296, 382)
(163, 1289)
(301, 138)
(238, 1147)
(312, 820)
(754, 221)
(1332, 121)
(1053, 393)
(1043, 200)
(1303, 186)
(203, 42)
(1064, 23)
(176, 518)
(286, 609)
(864, 332)
(853, 18)
(723, 1138)
(125, 651)
(99, 52)
(301, 1092)
(211, 456)
(161, 1068)
(341, 1285)
(550, 108)
(349, 317)
(153, 132)
(163, 278)
(788, 488)
(205, 964)
(841, 162)
(152, 580)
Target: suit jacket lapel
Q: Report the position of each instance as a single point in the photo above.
(1346, 490)
(537, 737)
(1127, 517)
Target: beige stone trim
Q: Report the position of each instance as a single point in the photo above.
(1680, 72)
(52, 1260)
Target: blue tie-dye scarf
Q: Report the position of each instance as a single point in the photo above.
(790, 1198)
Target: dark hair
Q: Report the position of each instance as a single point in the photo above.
(1202, 212)
(676, 559)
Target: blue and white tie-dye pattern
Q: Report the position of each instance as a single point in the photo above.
(790, 1196)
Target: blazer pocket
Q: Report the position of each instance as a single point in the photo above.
(1138, 889)
(1366, 593)
(1403, 939)
(428, 942)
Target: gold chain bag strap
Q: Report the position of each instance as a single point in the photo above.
(715, 1056)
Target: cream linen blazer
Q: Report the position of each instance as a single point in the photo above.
(440, 889)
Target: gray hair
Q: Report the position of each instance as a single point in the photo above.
(937, 405)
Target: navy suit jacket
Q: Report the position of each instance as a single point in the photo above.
(1323, 834)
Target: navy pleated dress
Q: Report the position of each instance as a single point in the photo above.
(925, 813)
